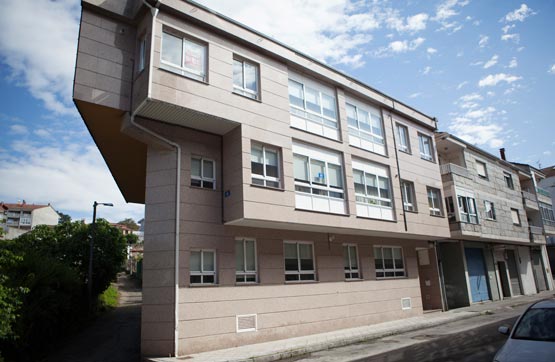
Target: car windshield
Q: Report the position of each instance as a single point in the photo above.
(537, 324)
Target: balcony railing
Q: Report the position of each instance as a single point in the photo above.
(529, 196)
(447, 168)
(536, 230)
(543, 192)
(14, 214)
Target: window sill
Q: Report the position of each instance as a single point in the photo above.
(354, 280)
(376, 219)
(406, 152)
(372, 152)
(490, 219)
(322, 212)
(411, 211)
(440, 216)
(246, 284)
(338, 140)
(425, 159)
(205, 82)
(268, 187)
(203, 285)
(201, 188)
(389, 278)
(301, 281)
(257, 99)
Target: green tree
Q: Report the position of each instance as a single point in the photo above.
(131, 239)
(63, 217)
(130, 223)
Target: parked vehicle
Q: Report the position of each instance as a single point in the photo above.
(533, 336)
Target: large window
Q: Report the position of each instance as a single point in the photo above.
(434, 201)
(467, 209)
(183, 56)
(426, 148)
(245, 78)
(403, 138)
(314, 106)
(319, 177)
(299, 261)
(481, 169)
(265, 166)
(245, 261)
(389, 262)
(508, 180)
(365, 128)
(515, 216)
(490, 210)
(202, 266)
(372, 190)
(203, 173)
(409, 196)
(546, 211)
(350, 258)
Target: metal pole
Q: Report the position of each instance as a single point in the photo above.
(91, 245)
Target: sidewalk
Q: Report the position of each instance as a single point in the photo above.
(282, 349)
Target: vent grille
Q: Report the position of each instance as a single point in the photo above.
(246, 323)
(406, 303)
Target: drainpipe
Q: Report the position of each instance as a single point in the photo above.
(154, 11)
(398, 169)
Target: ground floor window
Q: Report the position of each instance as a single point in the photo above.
(245, 261)
(299, 261)
(202, 266)
(389, 261)
(350, 256)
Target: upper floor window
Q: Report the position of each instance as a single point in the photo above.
(467, 209)
(265, 166)
(203, 173)
(403, 138)
(546, 211)
(350, 258)
(245, 78)
(372, 190)
(481, 169)
(245, 261)
(183, 56)
(490, 210)
(314, 106)
(508, 180)
(299, 261)
(515, 216)
(389, 261)
(426, 148)
(409, 196)
(434, 201)
(365, 128)
(202, 266)
(142, 54)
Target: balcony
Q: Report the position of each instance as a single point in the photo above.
(14, 214)
(549, 227)
(543, 192)
(536, 230)
(530, 201)
(449, 168)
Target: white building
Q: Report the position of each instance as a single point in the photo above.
(19, 218)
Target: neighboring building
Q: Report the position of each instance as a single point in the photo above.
(125, 230)
(21, 217)
(306, 200)
(493, 253)
(548, 185)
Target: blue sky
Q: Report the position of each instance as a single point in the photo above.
(485, 69)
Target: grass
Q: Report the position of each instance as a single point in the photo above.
(109, 298)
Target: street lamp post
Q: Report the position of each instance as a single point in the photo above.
(91, 247)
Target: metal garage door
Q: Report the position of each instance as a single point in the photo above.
(477, 274)
(513, 273)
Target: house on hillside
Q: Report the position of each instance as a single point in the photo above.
(21, 217)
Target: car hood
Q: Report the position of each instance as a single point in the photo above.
(524, 350)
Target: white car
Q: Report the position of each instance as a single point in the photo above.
(533, 337)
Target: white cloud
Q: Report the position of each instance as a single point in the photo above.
(431, 51)
(519, 14)
(513, 63)
(399, 46)
(415, 95)
(462, 84)
(507, 27)
(477, 133)
(483, 41)
(552, 69)
(511, 37)
(18, 129)
(547, 153)
(39, 49)
(411, 24)
(490, 63)
(427, 70)
(471, 97)
(480, 113)
(41, 132)
(494, 79)
(445, 11)
(70, 177)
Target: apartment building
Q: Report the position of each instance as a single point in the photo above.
(493, 251)
(282, 197)
(548, 184)
(20, 217)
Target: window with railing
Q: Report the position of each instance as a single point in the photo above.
(372, 190)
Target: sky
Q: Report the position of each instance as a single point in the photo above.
(485, 69)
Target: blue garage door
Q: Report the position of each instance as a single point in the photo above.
(477, 274)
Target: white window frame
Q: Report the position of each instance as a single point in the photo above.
(308, 114)
(300, 272)
(357, 131)
(517, 213)
(401, 146)
(202, 272)
(265, 178)
(465, 206)
(242, 89)
(393, 270)
(423, 151)
(315, 186)
(142, 53)
(366, 198)
(546, 212)
(182, 69)
(407, 188)
(508, 180)
(201, 178)
(348, 269)
(489, 216)
(245, 273)
(435, 210)
(484, 174)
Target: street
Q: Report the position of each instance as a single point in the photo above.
(475, 339)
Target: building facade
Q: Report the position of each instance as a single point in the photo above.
(19, 218)
(282, 198)
(494, 252)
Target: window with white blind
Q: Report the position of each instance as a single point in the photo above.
(350, 258)
(318, 179)
(365, 127)
(203, 173)
(299, 261)
(183, 55)
(245, 261)
(202, 266)
(372, 190)
(425, 146)
(481, 169)
(389, 262)
(265, 166)
(313, 106)
(515, 216)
